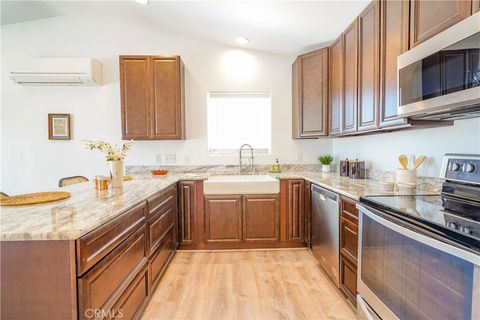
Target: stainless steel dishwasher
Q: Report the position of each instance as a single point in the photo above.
(325, 230)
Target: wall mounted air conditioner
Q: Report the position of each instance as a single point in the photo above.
(58, 72)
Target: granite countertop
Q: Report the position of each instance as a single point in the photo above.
(88, 208)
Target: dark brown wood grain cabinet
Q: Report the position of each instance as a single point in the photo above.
(223, 219)
(336, 87)
(350, 79)
(348, 248)
(430, 17)
(310, 95)
(475, 6)
(187, 213)
(261, 218)
(394, 41)
(369, 67)
(308, 213)
(152, 97)
(296, 207)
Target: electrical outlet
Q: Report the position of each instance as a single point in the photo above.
(170, 158)
(158, 158)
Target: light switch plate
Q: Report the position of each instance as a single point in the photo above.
(170, 158)
(158, 158)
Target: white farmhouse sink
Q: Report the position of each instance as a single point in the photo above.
(241, 184)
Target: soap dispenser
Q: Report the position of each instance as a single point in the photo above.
(276, 167)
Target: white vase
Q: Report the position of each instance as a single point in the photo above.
(326, 168)
(116, 173)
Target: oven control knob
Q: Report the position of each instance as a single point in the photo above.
(466, 229)
(452, 225)
(467, 167)
(454, 166)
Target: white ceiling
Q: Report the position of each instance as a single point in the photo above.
(285, 27)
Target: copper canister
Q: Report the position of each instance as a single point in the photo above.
(344, 168)
(357, 169)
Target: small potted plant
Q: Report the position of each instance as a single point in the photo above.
(326, 161)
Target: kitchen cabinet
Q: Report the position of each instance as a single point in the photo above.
(261, 218)
(350, 73)
(223, 219)
(428, 18)
(308, 213)
(296, 206)
(336, 87)
(152, 97)
(187, 212)
(475, 6)
(310, 95)
(369, 67)
(394, 41)
(348, 248)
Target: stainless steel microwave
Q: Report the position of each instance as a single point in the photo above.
(440, 78)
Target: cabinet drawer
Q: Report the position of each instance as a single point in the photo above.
(161, 257)
(101, 287)
(349, 239)
(161, 201)
(349, 209)
(158, 226)
(95, 245)
(131, 303)
(348, 279)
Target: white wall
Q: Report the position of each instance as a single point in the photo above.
(382, 150)
(30, 162)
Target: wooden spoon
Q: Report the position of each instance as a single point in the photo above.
(403, 161)
(418, 162)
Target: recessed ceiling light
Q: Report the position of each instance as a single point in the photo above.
(241, 40)
(142, 1)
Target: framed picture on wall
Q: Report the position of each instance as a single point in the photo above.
(59, 126)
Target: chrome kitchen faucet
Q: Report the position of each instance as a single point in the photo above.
(252, 167)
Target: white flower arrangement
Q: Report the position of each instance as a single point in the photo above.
(111, 151)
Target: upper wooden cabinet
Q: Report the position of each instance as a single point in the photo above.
(475, 6)
(350, 84)
(152, 97)
(394, 41)
(429, 17)
(369, 67)
(310, 95)
(336, 87)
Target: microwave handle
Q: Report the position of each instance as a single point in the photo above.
(429, 241)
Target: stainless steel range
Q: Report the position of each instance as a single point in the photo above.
(419, 256)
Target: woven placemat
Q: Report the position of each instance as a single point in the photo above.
(34, 198)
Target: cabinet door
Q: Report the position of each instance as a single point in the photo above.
(394, 41)
(135, 97)
(296, 220)
(350, 70)
(186, 210)
(348, 239)
(308, 213)
(223, 219)
(167, 96)
(428, 18)
(348, 279)
(475, 6)
(336, 87)
(368, 68)
(261, 218)
(311, 101)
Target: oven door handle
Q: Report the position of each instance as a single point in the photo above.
(429, 241)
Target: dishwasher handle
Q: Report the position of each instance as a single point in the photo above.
(324, 193)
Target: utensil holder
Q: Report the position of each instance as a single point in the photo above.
(406, 176)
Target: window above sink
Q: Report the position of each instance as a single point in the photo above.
(235, 118)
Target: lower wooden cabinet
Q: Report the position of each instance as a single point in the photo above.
(348, 248)
(188, 192)
(160, 258)
(308, 213)
(296, 206)
(261, 218)
(223, 219)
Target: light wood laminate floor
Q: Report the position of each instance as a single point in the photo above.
(282, 284)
